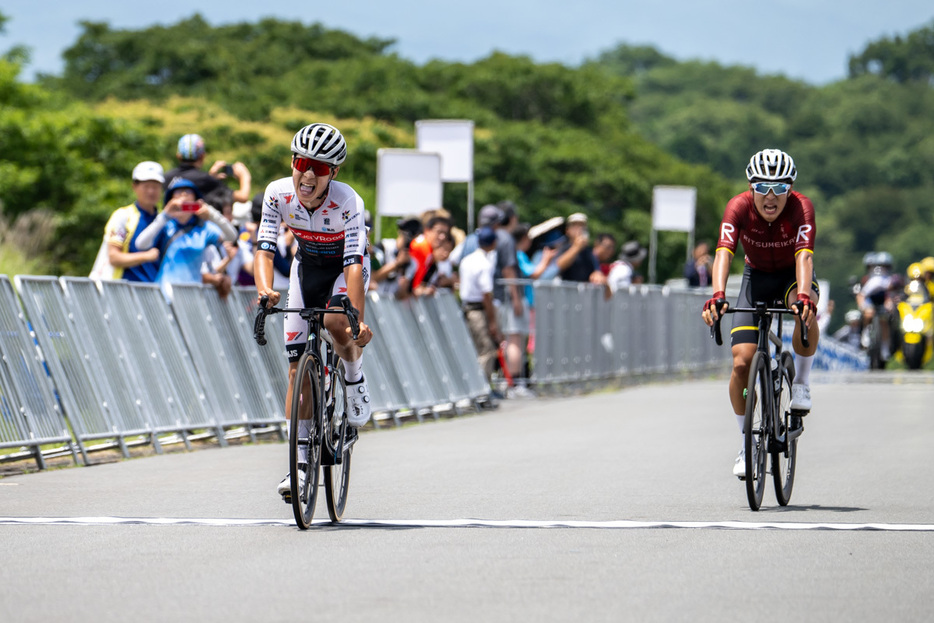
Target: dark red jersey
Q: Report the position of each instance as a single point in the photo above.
(768, 246)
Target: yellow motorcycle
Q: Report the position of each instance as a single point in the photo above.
(916, 319)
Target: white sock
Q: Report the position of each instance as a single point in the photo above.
(803, 369)
(741, 419)
(304, 428)
(353, 370)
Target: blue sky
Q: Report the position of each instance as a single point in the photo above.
(803, 39)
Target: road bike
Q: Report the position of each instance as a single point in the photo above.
(771, 428)
(318, 396)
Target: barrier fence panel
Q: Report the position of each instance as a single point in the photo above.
(90, 405)
(97, 328)
(430, 339)
(170, 395)
(396, 325)
(255, 390)
(31, 415)
(387, 396)
(211, 353)
(461, 349)
(272, 355)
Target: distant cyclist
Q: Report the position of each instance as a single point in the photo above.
(876, 294)
(328, 221)
(776, 227)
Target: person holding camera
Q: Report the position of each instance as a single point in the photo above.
(576, 261)
(183, 231)
(191, 155)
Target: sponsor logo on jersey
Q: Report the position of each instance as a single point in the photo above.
(332, 204)
(288, 198)
(318, 236)
(345, 215)
(291, 336)
(327, 221)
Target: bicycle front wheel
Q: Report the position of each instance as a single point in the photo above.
(758, 407)
(337, 474)
(304, 474)
(785, 451)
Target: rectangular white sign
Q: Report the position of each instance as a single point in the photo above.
(453, 139)
(408, 181)
(673, 208)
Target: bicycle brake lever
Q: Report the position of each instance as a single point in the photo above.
(352, 317)
(259, 325)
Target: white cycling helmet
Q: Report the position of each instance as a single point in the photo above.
(320, 141)
(771, 165)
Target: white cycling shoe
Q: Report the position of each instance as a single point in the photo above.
(285, 487)
(739, 467)
(358, 403)
(800, 397)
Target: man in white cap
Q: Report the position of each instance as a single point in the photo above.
(190, 156)
(576, 260)
(126, 223)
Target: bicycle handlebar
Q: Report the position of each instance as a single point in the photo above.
(715, 329)
(346, 308)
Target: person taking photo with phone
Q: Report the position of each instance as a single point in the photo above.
(191, 154)
(183, 231)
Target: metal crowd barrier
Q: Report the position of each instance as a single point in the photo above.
(110, 363)
(581, 335)
(114, 362)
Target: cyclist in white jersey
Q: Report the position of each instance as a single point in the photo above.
(327, 219)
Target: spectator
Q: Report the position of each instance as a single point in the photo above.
(624, 271)
(489, 216)
(547, 238)
(126, 259)
(231, 261)
(190, 156)
(604, 249)
(576, 260)
(697, 271)
(182, 234)
(440, 273)
(476, 292)
(394, 256)
(851, 332)
(436, 229)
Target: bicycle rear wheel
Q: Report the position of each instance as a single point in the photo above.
(758, 403)
(304, 476)
(337, 475)
(784, 454)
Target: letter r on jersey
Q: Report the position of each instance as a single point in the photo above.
(803, 232)
(726, 231)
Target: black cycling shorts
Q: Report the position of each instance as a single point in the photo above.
(759, 285)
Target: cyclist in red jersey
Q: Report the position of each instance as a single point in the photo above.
(776, 228)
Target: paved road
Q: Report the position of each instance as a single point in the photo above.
(655, 526)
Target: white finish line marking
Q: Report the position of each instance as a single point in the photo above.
(622, 524)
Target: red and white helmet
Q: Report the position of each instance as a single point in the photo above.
(771, 165)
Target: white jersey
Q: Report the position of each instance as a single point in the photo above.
(331, 236)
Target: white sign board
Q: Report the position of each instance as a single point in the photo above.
(673, 208)
(407, 182)
(451, 138)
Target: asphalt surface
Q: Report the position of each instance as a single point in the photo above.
(607, 507)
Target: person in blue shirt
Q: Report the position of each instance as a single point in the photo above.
(182, 232)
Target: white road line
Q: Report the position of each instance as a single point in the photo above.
(622, 524)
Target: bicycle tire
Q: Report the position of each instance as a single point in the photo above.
(784, 454)
(305, 396)
(758, 401)
(337, 475)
